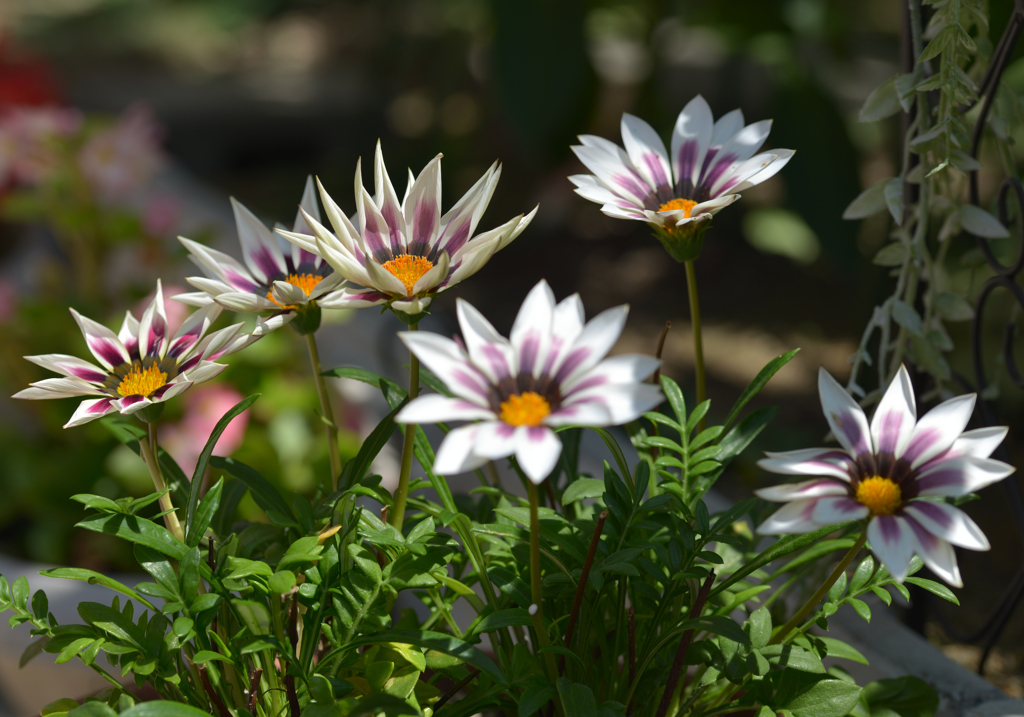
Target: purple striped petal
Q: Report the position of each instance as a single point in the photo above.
(387, 200)
(811, 462)
(102, 342)
(949, 523)
(937, 554)
(423, 208)
(845, 417)
(70, 366)
(90, 410)
(691, 136)
(260, 249)
(960, 476)
(373, 228)
(892, 541)
(935, 433)
(838, 509)
(537, 451)
(793, 517)
(894, 419)
(787, 492)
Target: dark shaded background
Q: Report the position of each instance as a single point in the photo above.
(255, 95)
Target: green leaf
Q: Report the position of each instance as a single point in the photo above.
(906, 696)
(755, 386)
(101, 709)
(826, 698)
(838, 648)
(894, 254)
(503, 618)
(868, 203)
(794, 657)
(583, 488)
(861, 608)
(953, 307)
(381, 703)
(938, 43)
(356, 469)
(34, 648)
(837, 589)
(980, 223)
(204, 515)
(906, 316)
(263, 492)
(881, 103)
(138, 530)
(934, 588)
(675, 398)
(163, 708)
(439, 642)
(760, 627)
(893, 192)
(577, 699)
(281, 582)
(94, 578)
(356, 374)
(538, 694)
(204, 460)
(208, 655)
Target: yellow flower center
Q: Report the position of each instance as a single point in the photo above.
(880, 495)
(142, 381)
(306, 282)
(687, 204)
(525, 409)
(408, 269)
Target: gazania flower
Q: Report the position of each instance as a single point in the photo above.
(549, 374)
(406, 253)
(141, 365)
(277, 276)
(895, 472)
(710, 164)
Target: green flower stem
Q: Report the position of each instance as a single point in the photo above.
(535, 595)
(402, 491)
(698, 341)
(149, 453)
(325, 410)
(820, 593)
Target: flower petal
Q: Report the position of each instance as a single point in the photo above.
(153, 327)
(937, 554)
(387, 201)
(439, 409)
(488, 350)
(949, 523)
(585, 412)
(648, 154)
(786, 492)
(980, 443)
(960, 476)
(624, 368)
(449, 363)
(221, 265)
(90, 410)
(260, 250)
(624, 402)
(782, 157)
(70, 366)
(838, 509)
(423, 209)
(455, 454)
(531, 331)
(592, 345)
(810, 462)
(893, 542)
(894, 419)
(937, 430)
(102, 342)
(845, 417)
(537, 451)
(794, 517)
(690, 140)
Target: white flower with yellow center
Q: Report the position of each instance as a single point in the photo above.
(141, 365)
(551, 372)
(405, 253)
(277, 276)
(895, 472)
(710, 164)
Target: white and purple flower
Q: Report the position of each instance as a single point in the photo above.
(895, 472)
(277, 276)
(140, 366)
(551, 372)
(710, 164)
(405, 253)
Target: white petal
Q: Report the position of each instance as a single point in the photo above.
(413, 306)
(980, 443)
(440, 409)
(838, 509)
(60, 387)
(434, 276)
(495, 439)
(961, 475)
(782, 157)
(938, 429)
(726, 126)
(690, 140)
(623, 402)
(537, 451)
(531, 331)
(647, 152)
(892, 541)
(448, 362)
(794, 517)
(786, 492)
(455, 454)
(617, 175)
(488, 350)
(90, 411)
(845, 417)
(592, 345)
(260, 250)
(810, 462)
(624, 368)
(287, 294)
(384, 280)
(244, 303)
(949, 523)
(937, 554)
(894, 419)
(102, 342)
(580, 413)
(70, 366)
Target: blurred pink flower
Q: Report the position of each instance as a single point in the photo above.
(160, 215)
(117, 160)
(28, 139)
(204, 406)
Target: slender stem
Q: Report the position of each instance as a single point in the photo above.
(325, 410)
(684, 645)
(698, 342)
(535, 595)
(402, 491)
(149, 453)
(820, 592)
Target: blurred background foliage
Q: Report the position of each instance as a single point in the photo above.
(253, 95)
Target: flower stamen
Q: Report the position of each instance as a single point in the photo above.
(142, 381)
(675, 204)
(408, 269)
(881, 495)
(525, 409)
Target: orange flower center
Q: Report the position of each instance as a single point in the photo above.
(686, 204)
(880, 495)
(525, 409)
(142, 381)
(306, 282)
(408, 269)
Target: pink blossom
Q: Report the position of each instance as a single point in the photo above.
(205, 406)
(29, 138)
(117, 160)
(160, 215)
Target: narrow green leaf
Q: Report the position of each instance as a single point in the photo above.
(755, 386)
(934, 588)
(204, 515)
(441, 643)
(881, 103)
(263, 492)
